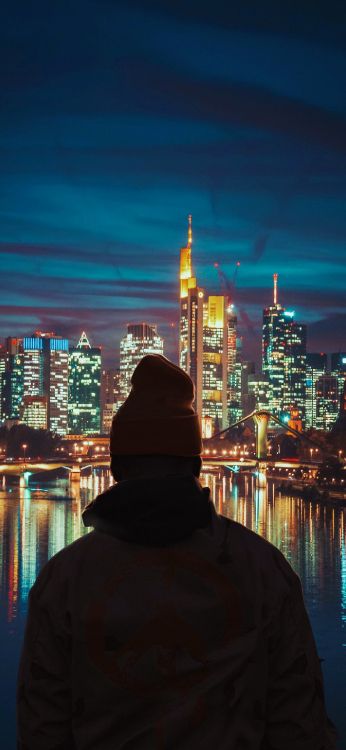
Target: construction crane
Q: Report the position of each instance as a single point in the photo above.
(224, 281)
(230, 288)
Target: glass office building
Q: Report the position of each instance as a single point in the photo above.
(84, 388)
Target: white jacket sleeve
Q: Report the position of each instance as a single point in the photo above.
(43, 688)
(296, 711)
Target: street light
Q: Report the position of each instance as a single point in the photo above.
(24, 447)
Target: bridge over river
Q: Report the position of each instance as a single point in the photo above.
(214, 454)
(75, 470)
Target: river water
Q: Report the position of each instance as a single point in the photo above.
(38, 520)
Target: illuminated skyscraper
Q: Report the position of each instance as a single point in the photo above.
(208, 348)
(295, 367)
(215, 364)
(273, 352)
(3, 367)
(110, 397)
(316, 366)
(233, 368)
(284, 360)
(327, 401)
(339, 426)
(3, 358)
(84, 385)
(46, 374)
(338, 362)
(324, 388)
(33, 366)
(58, 385)
(257, 393)
(34, 412)
(236, 377)
(12, 384)
(140, 339)
(191, 320)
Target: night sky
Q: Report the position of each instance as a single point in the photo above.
(117, 120)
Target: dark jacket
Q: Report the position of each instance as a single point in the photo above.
(169, 627)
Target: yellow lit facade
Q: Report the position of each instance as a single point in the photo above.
(216, 312)
(215, 363)
(207, 345)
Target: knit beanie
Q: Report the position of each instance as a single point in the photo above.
(158, 416)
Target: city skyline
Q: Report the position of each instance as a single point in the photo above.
(47, 382)
(170, 331)
(319, 335)
(233, 115)
(274, 293)
(111, 357)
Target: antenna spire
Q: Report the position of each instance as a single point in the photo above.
(83, 342)
(189, 231)
(275, 277)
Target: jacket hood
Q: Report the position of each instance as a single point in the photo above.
(152, 512)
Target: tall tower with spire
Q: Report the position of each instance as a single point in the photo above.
(187, 280)
(191, 320)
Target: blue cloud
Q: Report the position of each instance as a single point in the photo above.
(121, 119)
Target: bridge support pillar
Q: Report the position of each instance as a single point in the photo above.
(75, 473)
(261, 419)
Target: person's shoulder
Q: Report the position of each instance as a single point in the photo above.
(247, 536)
(240, 534)
(59, 565)
(256, 550)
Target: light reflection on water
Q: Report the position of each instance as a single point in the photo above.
(38, 520)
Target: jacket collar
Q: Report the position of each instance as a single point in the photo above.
(153, 512)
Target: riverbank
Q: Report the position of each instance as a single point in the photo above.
(314, 492)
